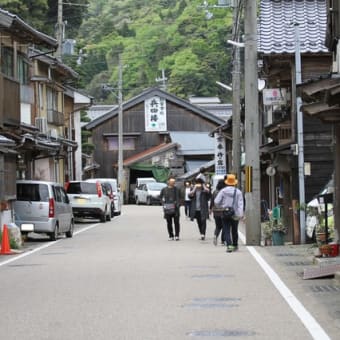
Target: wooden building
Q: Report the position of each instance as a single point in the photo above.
(156, 125)
(279, 157)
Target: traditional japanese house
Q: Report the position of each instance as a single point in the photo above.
(280, 24)
(162, 134)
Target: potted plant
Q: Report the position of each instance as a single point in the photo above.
(266, 227)
(278, 231)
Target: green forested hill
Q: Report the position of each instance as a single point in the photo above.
(150, 35)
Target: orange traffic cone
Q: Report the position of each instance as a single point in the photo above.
(5, 246)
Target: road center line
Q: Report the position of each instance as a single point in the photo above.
(18, 257)
(313, 327)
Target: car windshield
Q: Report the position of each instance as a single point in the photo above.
(156, 186)
(32, 192)
(82, 188)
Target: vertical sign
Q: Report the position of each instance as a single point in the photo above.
(220, 155)
(155, 114)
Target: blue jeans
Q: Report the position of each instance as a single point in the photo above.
(230, 226)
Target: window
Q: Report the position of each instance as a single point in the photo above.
(7, 61)
(23, 68)
(52, 99)
(128, 143)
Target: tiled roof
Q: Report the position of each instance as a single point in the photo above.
(149, 153)
(276, 32)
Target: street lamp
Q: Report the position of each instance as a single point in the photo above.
(229, 88)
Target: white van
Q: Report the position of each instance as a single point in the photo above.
(139, 181)
(117, 200)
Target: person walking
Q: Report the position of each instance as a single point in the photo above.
(170, 197)
(217, 212)
(199, 208)
(230, 199)
(187, 199)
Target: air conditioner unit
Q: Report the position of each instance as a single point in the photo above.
(53, 133)
(41, 124)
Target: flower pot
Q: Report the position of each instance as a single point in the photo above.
(278, 238)
(321, 237)
(330, 250)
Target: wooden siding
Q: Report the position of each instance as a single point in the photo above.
(9, 101)
(319, 151)
(178, 119)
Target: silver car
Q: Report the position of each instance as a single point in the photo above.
(149, 193)
(43, 207)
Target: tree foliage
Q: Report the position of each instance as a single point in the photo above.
(153, 35)
(150, 35)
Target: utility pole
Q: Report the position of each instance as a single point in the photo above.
(120, 124)
(252, 135)
(162, 80)
(299, 117)
(236, 88)
(60, 30)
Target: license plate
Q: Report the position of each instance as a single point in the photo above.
(81, 200)
(27, 227)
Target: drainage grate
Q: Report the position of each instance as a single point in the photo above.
(221, 299)
(219, 302)
(222, 332)
(337, 314)
(211, 276)
(325, 289)
(209, 305)
(298, 263)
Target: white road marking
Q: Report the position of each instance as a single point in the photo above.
(18, 257)
(313, 327)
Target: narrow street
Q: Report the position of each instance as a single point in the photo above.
(124, 280)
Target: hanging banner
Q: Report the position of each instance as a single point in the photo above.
(155, 114)
(220, 155)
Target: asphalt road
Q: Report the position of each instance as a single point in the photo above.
(124, 280)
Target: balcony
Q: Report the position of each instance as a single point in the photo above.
(281, 133)
(9, 101)
(55, 117)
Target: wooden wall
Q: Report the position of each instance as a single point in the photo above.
(178, 119)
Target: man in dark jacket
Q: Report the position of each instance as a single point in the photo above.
(170, 196)
(199, 209)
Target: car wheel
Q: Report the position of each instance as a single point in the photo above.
(108, 217)
(102, 217)
(112, 211)
(54, 234)
(69, 233)
(148, 201)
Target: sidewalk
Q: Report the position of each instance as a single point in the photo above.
(320, 296)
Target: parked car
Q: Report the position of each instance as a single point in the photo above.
(139, 181)
(43, 207)
(117, 200)
(89, 200)
(149, 193)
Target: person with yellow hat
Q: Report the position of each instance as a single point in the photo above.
(230, 199)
